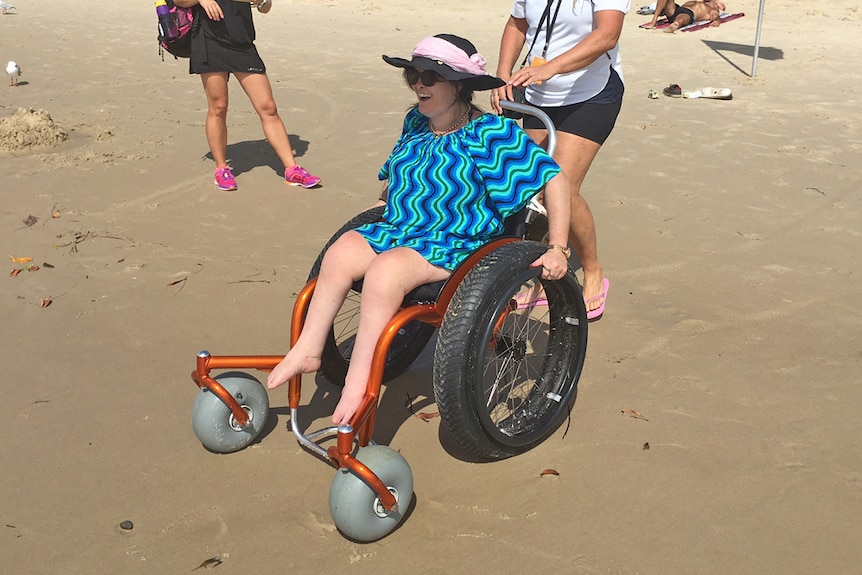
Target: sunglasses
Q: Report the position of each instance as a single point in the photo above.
(428, 77)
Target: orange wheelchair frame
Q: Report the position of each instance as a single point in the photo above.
(361, 426)
(240, 404)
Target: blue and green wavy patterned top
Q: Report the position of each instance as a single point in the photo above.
(449, 195)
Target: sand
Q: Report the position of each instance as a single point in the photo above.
(729, 229)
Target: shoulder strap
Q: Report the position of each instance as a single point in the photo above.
(551, 27)
(544, 17)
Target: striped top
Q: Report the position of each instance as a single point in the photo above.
(449, 195)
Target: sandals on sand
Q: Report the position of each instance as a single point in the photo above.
(674, 91)
(528, 300)
(711, 93)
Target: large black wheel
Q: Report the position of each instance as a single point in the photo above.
(406, 346)
(509, 354)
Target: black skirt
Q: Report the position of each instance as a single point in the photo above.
(226, 45)
(209, 55)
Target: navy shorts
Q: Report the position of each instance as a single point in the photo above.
(593, 120)
(587, 120)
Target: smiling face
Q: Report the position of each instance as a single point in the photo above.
(437, 97)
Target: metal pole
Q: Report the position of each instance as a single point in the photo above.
(757, 40)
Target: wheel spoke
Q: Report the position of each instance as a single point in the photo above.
(518, 379)
(516, 362)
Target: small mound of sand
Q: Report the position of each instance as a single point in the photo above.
(30, 129)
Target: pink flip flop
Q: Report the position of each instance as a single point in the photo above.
(527, 300)
(597, 313)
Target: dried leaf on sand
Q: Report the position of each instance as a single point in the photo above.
(634, 413)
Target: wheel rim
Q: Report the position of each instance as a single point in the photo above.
(235, 425)
(379, 509)
(526, 365)
(346, 322)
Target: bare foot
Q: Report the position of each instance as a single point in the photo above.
(294, 362)
(351, 399)
(672, 28)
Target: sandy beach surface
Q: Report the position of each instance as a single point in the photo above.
(730, 231)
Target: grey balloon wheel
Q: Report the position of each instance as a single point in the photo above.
(355, 507)
(212, 420)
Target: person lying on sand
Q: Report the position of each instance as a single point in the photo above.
(688, 13)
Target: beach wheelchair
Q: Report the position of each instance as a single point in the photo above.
(509, 353)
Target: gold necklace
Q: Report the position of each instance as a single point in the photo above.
(453, 127)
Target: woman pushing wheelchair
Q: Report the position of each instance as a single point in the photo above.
(452, 178)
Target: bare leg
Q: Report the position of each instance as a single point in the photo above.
(259, 92)
(678, 21)
(215, 86)
(391, 276)
(676, 25)
(388, 278)
(666, 7)
(575, 154)
(345, 261)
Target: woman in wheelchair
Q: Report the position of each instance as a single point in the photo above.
(452, 178)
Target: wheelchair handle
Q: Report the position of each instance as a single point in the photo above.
(534, 111)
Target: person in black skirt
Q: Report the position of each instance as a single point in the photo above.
(222, 44)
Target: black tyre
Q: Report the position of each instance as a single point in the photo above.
(507, 364)
(406, 346)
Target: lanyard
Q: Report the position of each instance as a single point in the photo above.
(553, 21)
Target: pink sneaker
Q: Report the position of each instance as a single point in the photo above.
(299, 176)
(224, 179)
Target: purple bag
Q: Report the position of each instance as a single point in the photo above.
(175, 28)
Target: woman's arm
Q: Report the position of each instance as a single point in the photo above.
(608, 25)
(511, 44)
(558, 202)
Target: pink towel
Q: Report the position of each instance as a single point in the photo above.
(663, 23)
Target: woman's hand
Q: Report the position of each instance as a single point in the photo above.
(554, 264)
(212, 9)
(502, 93)
(531, 75)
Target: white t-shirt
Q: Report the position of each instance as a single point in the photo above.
(574, 22)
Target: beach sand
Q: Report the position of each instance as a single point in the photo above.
(730, 231)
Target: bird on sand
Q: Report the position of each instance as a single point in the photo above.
(14, 70)
(5, 6)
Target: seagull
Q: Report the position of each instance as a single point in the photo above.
(5, 6)
(14, 70)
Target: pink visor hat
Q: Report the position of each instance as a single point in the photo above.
(454, 58)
